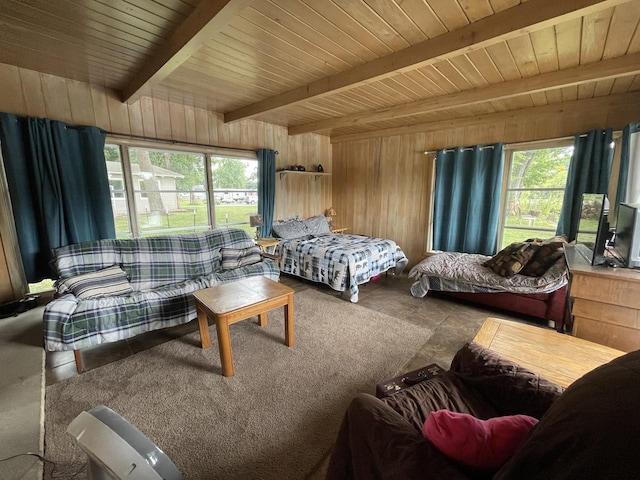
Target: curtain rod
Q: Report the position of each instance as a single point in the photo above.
(463, 149)
(518, 144)
(176, 142)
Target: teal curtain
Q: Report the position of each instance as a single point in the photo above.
(58, 186)
(589, 172)
(625, 161)
(467, 199)
(266, 188)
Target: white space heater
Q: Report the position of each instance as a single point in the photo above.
(117, 450)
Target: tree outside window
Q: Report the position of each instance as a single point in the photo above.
(534, 193)
(169, 191)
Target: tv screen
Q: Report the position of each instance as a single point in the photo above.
(593, 227)
(626, 228)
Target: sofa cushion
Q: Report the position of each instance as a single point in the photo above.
(374, 442)
(511, 388)
(591, 431)
(153, 262)
(267, 268)
(474, 442)
(108, 281)
(444, 391)
(512, 258)
(85, 257)
(239, 257)
(117, 317)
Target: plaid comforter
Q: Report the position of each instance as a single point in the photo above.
(163, 272)
(340, 261)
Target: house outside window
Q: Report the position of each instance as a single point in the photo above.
(170, 190)
(534, 190)
(117, 188)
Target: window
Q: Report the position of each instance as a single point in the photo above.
(534, 191)
(117, 188)
(157, 190)
(235, 190)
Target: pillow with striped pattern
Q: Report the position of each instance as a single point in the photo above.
(239, 257)
(106, 282)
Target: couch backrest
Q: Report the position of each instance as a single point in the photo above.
(152, 261)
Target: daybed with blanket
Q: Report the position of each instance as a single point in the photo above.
(589, 431)
(308, 249)
(110, 290)
(470, 277)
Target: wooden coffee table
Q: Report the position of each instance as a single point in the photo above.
(557, 357)
(229, 303)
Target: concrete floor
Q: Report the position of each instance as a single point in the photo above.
(22, 361)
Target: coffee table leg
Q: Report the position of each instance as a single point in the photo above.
(203, 325)
(224, 343)
(263, 319)
(288, 322)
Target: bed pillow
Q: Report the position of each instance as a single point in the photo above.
(483, 444)
(109, 281)
(288, 229)
(317, 225)
(233, 258)
(550, 252)
(512, 259)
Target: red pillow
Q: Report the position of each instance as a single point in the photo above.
(474, 442)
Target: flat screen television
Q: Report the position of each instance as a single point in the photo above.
(593, 228)
(627, 240)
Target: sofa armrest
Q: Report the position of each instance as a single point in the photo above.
(376, 442)
(509, 387)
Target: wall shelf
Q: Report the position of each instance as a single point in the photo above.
(284, 173)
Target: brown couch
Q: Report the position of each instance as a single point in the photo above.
(590, 431)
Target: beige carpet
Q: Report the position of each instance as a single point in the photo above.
(274, 419)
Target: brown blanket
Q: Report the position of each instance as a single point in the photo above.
(382, 439)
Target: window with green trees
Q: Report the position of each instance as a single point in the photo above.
(159, 190)
(534, 192)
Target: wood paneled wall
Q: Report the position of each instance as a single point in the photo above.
(383, 186)
(26, 92)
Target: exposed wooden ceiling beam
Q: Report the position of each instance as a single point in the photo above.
(590, 105)
(606, 69)
(516, 21)
(209, 17)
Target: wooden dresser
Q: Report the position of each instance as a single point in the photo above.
(606, 303)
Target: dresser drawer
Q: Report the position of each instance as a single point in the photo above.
(606, 313)
(615, 336)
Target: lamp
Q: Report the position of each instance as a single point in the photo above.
(256, 221)
(329, 214)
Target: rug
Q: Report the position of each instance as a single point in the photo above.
(276, 418)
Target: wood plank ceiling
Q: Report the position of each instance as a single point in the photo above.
(344, 68)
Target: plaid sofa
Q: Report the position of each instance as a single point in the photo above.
(162, 272)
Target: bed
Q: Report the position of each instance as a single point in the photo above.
(465, 276)
(308, 249)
